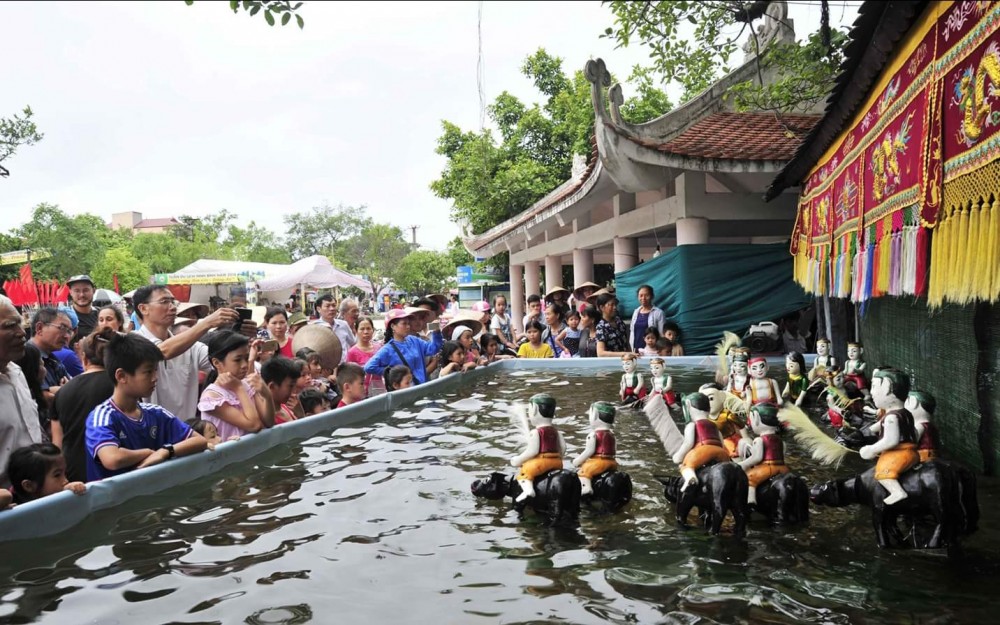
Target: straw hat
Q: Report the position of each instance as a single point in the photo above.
(399, 313)
(421, 313)
(593, 296)
(321, 340)
(554, 290)
(442, 300)
(192, 310)
(577, 292)
(464, 318)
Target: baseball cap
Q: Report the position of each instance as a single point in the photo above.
(81, 278)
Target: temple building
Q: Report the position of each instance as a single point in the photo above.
(694, 176)
(898, 220)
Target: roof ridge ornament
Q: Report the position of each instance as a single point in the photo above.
(599, 77)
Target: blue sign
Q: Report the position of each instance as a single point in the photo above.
(464, 274)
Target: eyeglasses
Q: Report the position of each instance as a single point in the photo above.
(166, 302)
(62, 328)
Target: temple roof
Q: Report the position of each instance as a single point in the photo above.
(737, 136)
(873, 39)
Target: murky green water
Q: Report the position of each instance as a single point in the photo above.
(376, 524)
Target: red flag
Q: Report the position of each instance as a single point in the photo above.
(28, 282)
(64, 293)
(117, 290)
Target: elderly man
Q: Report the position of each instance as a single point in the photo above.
(81, 294)
(177, 386)
(326, 308)
(19, 426)
(52, 331)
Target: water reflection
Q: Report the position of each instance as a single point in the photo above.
(376, 522)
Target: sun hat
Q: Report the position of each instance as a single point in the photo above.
(192, 310)
(454, 328)
(297, 318)
(578, 289)
(481, 307)
(441, 300)
(397, 313)
(421, 313)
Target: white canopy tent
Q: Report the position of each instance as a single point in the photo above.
(314, 271)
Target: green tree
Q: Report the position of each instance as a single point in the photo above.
(163, 252)
(375, 253)
(120, 261)
(425, 271)
(17, 131)
(255, 244)
(323, 230)
(697, 59)
(457, 253)
(76, 242)
(274, 10)
(491, 179)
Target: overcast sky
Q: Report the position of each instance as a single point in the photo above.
(168, 109)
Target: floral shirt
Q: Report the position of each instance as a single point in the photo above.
(613, 334)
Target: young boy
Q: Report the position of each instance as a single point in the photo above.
(313, 402)
(534, 305)
(351, 380)
(124, 434)
(281, 376)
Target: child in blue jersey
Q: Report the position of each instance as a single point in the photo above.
(403, 349)
(124, 434)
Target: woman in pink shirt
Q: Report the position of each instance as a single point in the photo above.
(365, 348)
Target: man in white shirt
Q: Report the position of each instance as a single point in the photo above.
(177, 383)
(19, 425)
(326, 308)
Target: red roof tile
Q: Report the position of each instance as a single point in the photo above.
(161, 222)
(739, 136)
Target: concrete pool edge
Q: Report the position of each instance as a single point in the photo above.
(60, 512)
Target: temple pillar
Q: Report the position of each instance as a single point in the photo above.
(626, 253)
(553, 272)
(516, 302)
(692, 231)
(532, 280)
(583, 267)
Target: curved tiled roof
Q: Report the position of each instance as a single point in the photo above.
(737, 136)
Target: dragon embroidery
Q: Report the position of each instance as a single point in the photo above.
(974, 99)
(885, 160)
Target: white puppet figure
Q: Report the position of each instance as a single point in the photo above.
(824, 359)
(854, 368)
(897, 447)
(739, 376)
(598, 454)
(766, 455)
(662, 383)
(760, 388)
(702, 441)
(921, 405)
(632, 386)
(545, 445)
(729, 419)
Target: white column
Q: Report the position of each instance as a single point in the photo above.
(583, 267)
(553, 272)
(692, 231)
(532, 280)
(516, 302)
(626, 253)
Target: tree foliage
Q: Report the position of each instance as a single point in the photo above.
(74, 242)
(323, 229)
(425, 271)
(17, 131)
(693, 42)
(490, 177)
(274, 10)
(457, 254)
(375, 253)
(122, 262)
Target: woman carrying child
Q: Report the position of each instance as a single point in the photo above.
(236, 403)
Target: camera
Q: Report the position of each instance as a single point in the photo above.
(763, 337)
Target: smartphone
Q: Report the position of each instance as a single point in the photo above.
(269, 346)
(245, 315)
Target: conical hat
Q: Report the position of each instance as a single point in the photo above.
(465, 318)
(593, 296)
(576, 291)
(555, 289)
(322, 340)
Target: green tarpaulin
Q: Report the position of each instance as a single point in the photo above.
(707, 289)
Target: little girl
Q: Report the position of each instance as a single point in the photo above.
(38, 471)
(365, 348)
(570, 336)
(234, 402)
(535, 348)
(453, 355)
(397, 377)
(490, 345)
(463, 336)
(208, 432)
(651, 338)
(500, 324)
